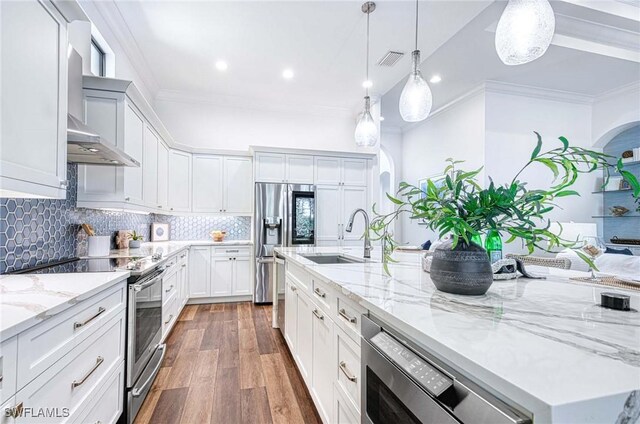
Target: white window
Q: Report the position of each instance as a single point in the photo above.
(98, 59)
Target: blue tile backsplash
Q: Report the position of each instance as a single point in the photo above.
(35, 231)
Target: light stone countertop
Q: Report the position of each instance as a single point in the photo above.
(543, 344)
(28, 299)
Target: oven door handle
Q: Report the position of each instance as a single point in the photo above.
(140, 287)
(139, 390)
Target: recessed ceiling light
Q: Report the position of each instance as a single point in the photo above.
(367, 84)
(93, 149)
(221, 65)
(287, 74)
(381, 118)
(435, 79)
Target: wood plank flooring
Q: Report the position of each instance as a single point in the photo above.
(226, 365)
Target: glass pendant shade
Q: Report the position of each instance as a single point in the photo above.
(416, 98)
(366, 131)
(524, 31)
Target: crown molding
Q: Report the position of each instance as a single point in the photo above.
(632, 88)
(113, 18)
(239, 102)
(537, 93)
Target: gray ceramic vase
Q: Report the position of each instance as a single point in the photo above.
(463, 270)
(134, 244)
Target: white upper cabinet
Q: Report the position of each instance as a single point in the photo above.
(179, 181)
(341, 171)
(238, 187)
(299, 169)
(328, 220)
(163, 175)
(271, 167)
(133, 135)
(353, 198)
(207, 183)
(33, 153)
(150, 168)
(327, 170)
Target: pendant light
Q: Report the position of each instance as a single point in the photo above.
(524, 31)
(366, 130)
(416, 98)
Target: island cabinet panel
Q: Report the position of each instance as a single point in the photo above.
(304, 352)
(33, 53)
(343, 413)
(290, 316)
(323, 363)
(8, 368)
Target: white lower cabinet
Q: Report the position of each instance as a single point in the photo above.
(199, 271)
(220, 272)
(107, 404)
(328, 358)
(323, 362)
(9, 408)
(221, 276)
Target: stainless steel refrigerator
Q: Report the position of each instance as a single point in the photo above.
(284, 216)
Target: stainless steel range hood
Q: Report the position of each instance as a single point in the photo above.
(84, 145)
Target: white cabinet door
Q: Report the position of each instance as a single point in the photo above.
(150, 167)
(353, 198)
(163, 175)
(199, 271)
(221, 276)
(323, 363)
(33, 81)
(328, 214)
(133, 146)
(242, 276)
(179, 181)
(327, 170)
(299, 169)
(304, 336)
(207, 183)
(237, 185)
(270, 167)
(290, 316)
(354, 171)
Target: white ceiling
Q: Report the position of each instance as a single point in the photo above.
(323, 42)
(469, 59)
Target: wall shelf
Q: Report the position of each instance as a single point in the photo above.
(612, 216)
(611, 191)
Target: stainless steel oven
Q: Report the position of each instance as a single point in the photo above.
(144, 334)
(402, 383)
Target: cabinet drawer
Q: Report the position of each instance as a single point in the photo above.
(299, 276)
(233, 251)
(342, 410)
(348, 367)
(322, 295)
(169, 313)
(8, 366)
(42, 345)
(75, 378)
(169, 287)
(348, 315)
(106, 405)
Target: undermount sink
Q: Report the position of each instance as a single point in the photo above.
(333, 259)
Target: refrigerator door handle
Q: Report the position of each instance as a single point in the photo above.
(265, 261)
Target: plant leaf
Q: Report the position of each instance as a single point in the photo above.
(536, 151)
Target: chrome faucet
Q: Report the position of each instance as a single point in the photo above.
(367, 240)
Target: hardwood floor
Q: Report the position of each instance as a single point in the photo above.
(225, 365)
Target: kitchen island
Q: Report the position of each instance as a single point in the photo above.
(545, 346)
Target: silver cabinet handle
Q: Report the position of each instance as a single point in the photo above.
(183, 256)
(169, 289)
(184, 265)
(317, 314)
(293, 288)
(232, 250)
(138, 390)
(126, 199)
(76, 383)
(169, 320)
(319, 293)
(347, 373)
(77, 325)
(344, 315)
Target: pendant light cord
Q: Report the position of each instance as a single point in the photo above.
(367, 63)
(416, 25)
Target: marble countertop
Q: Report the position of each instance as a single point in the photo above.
(28, 299)
(543, 344)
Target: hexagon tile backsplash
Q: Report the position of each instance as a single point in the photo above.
(36, 231)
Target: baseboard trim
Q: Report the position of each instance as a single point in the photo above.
(225, 299)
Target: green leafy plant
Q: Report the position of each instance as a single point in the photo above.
(135, 236)
(462, 208)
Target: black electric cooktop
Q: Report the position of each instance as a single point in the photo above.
(72, 265)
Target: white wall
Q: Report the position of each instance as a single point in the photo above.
(509, 141)
(456, 132)
(209, 125)
(391, 143)
(614, 110)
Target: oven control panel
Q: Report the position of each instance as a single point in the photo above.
(420, 370)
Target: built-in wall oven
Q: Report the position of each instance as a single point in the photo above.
(145, 351)
(403, 383)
